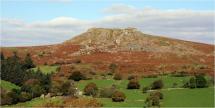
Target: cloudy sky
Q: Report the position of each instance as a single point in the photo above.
(41, 22)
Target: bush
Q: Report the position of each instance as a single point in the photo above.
(24, 96)
(192, 82)
(14, 94)
(77, 76)
(107, 92)
(154, 99)
(157, 93)
(33, 86)
(133, 84)
(145, 89)
(63, 88)
(158, 84)
(117, 76)
(201, 82)
(5, 98)
(91, 89)
(118, 96)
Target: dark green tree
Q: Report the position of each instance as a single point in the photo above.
(28, 62)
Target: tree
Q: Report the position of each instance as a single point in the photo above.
(91, 89)
(11, 70)
(2, 56)
(77, 76)
(28, 62)
(118, 96)
(133, 84)
(158, 84)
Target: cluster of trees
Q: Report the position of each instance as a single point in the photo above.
(18, 71)
(13, 69)
(197, 81)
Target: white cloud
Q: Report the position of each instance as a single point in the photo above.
(181, 23)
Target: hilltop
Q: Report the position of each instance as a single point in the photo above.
(132, 50)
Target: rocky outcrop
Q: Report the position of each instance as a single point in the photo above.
(128, 39)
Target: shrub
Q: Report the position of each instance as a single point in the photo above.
(158, 84)
(192, 82)
(5, 98)
(77, 76)
(157, 93)
(154, 99)
(24, 96)
(145, 89)
(91, 89)
(201, 82)
(14, 94)
(117, 76)
(63, 88)
(118, 96)
(33, 87)
(107, 92)
(133, 84)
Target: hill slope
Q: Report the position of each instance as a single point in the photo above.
(133, 51)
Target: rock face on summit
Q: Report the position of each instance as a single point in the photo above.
(129, 39)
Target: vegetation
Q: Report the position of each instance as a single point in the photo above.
(8, 85)
(107, 92)
(158, 84)
(117, 76)
(46, 69)
(77, 76)
(118, 96)
(91, 89)
(133, 84)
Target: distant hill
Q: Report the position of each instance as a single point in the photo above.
(133, 51)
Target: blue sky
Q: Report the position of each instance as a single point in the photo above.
(33, 10)
(45, 12)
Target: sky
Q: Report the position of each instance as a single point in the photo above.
(42, 22)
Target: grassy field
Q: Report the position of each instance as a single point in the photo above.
(8, 85)
(173, 97)
(202, 97)
(46, 69)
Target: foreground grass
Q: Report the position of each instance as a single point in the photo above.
(46, 69)
(173, 97)
(202, 97)
(8, 85)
